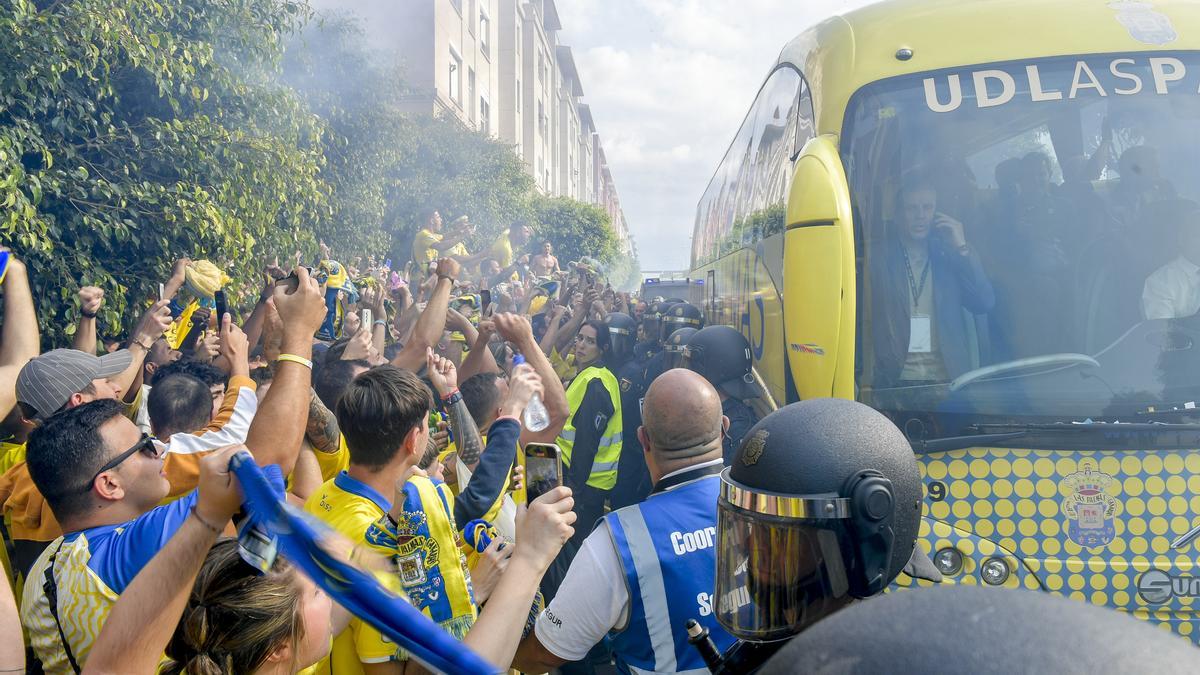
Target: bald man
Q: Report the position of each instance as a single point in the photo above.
(648, 568)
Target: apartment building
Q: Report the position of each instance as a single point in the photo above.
(498, 66)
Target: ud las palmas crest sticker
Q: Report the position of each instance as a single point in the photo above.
(1089, 508)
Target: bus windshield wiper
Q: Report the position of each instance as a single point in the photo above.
(961, 442)
(988, 433)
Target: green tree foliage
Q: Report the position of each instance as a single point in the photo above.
(576, 229)
(135, 131)
(387, 162)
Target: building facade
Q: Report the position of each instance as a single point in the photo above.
(498, 67)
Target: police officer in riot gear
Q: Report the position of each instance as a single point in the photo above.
(722, 355)
(678, 315)
(633, 479)
(675, 346)
(820, 507)
(649, 333)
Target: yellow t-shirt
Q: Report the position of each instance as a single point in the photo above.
(333, 463)
(423, 242)
(351, 507)
(502, 250)
(564, 367)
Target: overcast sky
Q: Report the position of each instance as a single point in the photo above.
(669, 82)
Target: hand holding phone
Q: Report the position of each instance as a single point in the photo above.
(543, 469)
(222, 305)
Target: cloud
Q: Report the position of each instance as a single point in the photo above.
(669, 82)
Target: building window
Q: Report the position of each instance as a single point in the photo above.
(542, 118)
(470, 91)
(485, 116)
(485, 26)
(454, 83)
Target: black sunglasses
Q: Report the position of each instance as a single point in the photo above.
(146, 446)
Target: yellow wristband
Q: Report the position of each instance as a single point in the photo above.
(295, 359)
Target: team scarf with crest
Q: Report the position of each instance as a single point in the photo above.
(428, 553)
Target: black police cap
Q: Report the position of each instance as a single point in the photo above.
(968, 629)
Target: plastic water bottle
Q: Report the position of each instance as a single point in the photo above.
(535, 418)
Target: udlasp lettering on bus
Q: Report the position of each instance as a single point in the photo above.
(994, 87)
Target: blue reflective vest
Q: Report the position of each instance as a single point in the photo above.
(667, 548)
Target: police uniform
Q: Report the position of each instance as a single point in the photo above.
(633, 477)
(640, 576)
(741, 418)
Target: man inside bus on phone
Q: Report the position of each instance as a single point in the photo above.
(921, 282)
(668, 537)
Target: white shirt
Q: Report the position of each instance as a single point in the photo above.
(231, 433)
(593, 598)
(1172, 291)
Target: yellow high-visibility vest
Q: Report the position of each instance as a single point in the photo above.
(604, 467)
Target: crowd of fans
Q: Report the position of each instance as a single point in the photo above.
(386, 402)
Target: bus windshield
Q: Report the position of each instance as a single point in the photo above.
(1028, 238)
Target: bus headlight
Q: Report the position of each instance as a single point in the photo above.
(994, 571)
(949, 561)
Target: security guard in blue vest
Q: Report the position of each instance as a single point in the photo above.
(633, 478)
(649, 567)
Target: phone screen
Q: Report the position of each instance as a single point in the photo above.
(543, 470)
(485, 298)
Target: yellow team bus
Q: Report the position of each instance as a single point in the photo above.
(981, 218)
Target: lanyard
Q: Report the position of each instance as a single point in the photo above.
(913, 287)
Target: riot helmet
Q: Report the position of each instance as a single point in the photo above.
(983, 630)
(675, 346)
(622, 331)
(680, 315)
(651, 321)
(820, 506)
(722, 355)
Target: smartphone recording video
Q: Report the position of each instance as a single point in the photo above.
(543, 470)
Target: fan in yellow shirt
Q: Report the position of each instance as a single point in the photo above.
(430, 243)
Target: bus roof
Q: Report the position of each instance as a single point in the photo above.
(845, 52)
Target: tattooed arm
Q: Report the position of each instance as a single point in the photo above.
(322, 428)
(466, 434)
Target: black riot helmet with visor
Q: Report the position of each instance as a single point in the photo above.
(622, 331)
(721, 355)
(820, 506)
(676, 345)
(680, 315)
(652, 319)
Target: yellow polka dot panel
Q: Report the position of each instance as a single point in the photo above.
(1105, 527)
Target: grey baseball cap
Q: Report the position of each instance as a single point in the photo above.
(47, 382)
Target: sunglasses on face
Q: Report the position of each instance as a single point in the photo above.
(145, 446)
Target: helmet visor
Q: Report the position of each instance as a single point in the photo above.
(776, 576)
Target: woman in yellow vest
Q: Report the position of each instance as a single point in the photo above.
(591, 439)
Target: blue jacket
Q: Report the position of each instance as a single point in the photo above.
(959, 283)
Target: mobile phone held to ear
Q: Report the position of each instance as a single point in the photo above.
(543, 469)
(222, 305)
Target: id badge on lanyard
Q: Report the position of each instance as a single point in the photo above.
(920, 334)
